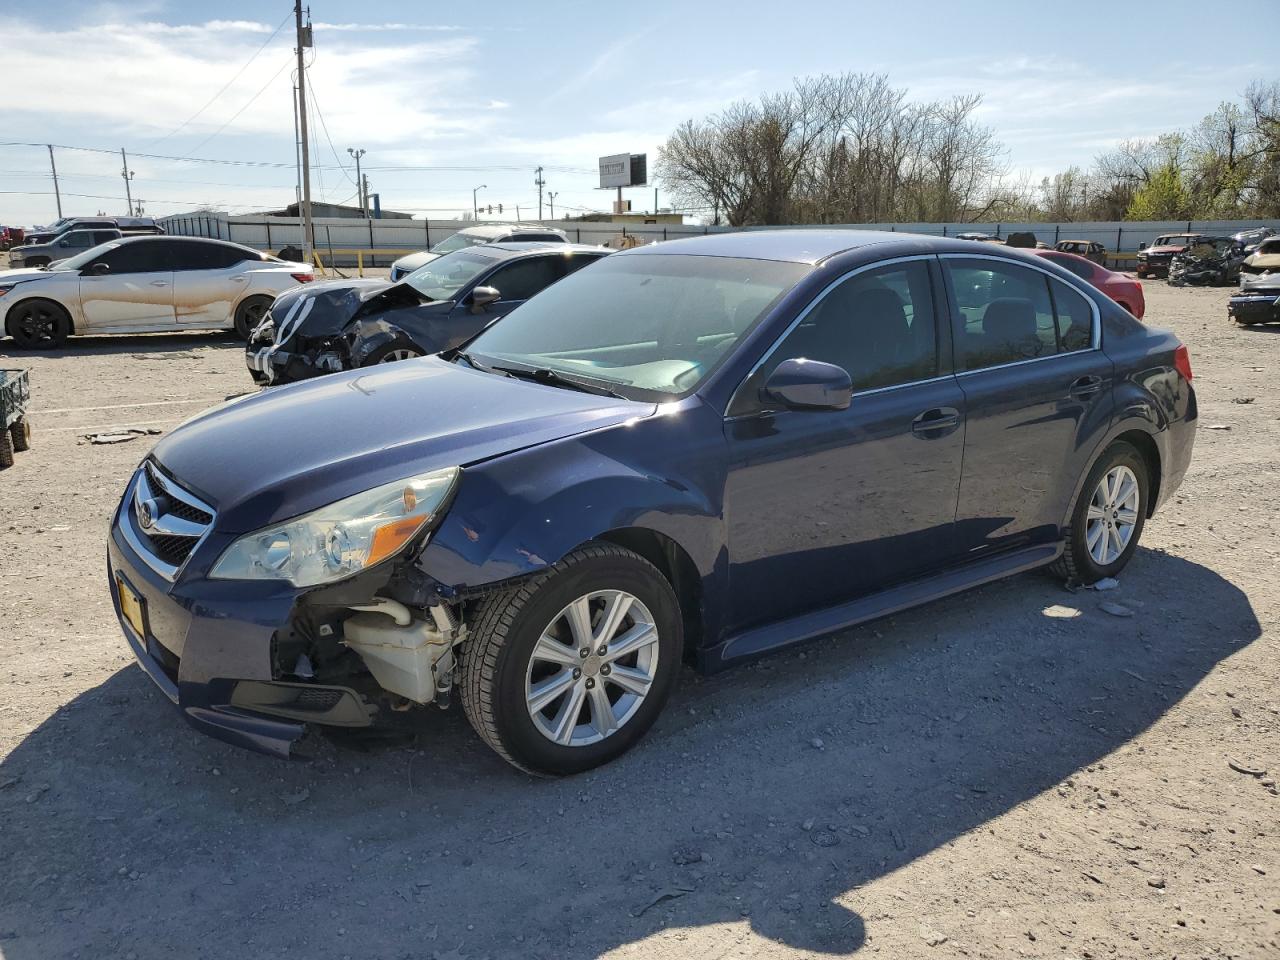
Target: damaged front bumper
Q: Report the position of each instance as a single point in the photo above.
(254, 664)
(1255, 306)
(271, 363)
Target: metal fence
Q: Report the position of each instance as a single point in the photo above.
(339, 240)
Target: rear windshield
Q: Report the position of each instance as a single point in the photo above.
(441, 279)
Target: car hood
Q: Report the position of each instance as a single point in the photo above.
(271, 456)
(1260, 283)
(412, 261)
(327, 306)
(1165, 249)
(22, 274)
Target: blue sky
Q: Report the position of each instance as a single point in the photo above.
(494, 89)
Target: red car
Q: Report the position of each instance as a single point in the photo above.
(1123, 290)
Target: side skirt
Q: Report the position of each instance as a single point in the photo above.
(760, 640)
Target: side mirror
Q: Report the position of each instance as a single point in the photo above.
(809, 385)
(98, 269)
(64, 243)
(481, 297)
(1142, 246)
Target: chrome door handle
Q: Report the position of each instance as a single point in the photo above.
(159, 283)
(1085, 387)
(936, 422)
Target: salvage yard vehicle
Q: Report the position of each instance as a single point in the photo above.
(15, 428)
(341, 324)
(1250, 239)
(1153, 260)
(471, 236)
(1123, 289)
(1211, 260)
(1258, 299)
(1089, 249)
(705, 449)
(143, 285)
(65, 245)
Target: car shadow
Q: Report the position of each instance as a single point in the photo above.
(131, 343)
(766, 796)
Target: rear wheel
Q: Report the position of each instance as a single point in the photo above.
(1108, 518)
(6, 450)
(570, 669)
(20, 432)
(249, 314)
(38, 325)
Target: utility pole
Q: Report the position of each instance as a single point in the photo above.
(551, 196)
(655, 201)
(539, 183)
(364, 195)
(360, 185)
(304, 41)
(128, 175)
(56, 192)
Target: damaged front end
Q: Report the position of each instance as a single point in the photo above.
(1206, 264)
(1258, 299)
(326, 328)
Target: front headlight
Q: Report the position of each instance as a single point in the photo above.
(341, 539)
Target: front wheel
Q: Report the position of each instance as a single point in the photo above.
(39, 325)
(568, 670)
(392, 352)
(1109, 516)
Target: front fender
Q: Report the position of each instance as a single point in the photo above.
(520, 513)
(368, 334)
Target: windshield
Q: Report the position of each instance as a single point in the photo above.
(82, 260)
(441, 279)
(457, 242)
(657, 323)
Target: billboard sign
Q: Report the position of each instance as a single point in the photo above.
(623, 170)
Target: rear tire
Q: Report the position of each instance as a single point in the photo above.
(1108, 518)
(529, 641)
(249, 314)
(38, 325)
(20, 432)
(6, 450)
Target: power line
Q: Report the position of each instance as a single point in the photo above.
(242, 109)
(228, 83)
(325, 127)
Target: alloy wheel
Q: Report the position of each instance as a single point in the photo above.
(34, 324)
(1112, 515)
(591, 668)
(403, 354)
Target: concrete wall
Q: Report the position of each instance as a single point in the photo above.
(390, 238)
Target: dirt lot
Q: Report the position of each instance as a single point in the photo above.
(974, 778)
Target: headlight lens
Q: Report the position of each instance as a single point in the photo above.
(341, 539)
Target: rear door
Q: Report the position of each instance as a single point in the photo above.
(208, 281)
(1037, 392)
(135, 293)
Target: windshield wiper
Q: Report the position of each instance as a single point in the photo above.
(553, 378)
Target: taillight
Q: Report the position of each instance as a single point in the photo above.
(1182, 362)
(303, 277)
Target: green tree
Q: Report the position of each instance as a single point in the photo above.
(1163, 197)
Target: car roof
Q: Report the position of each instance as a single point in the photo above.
(808, 245)
(507, 229)
(524, 247)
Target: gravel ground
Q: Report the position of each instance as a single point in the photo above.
(975, 778)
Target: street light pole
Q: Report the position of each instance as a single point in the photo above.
(475, 207)
(359, 180)
(128, 175)
(551, 198)
(304, 41)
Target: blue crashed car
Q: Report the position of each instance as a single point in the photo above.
(700, 450)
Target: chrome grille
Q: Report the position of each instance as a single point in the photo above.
(165, 521)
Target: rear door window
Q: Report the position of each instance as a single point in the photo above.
(194, 255)
(1005, 313)
(1074, 315)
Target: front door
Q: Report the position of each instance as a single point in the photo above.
(135, 293)
(823, 506)
(1037, 393)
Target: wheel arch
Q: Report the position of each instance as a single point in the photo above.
(70, 314)
(675, 564)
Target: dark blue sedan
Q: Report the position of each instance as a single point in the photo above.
(701, 450)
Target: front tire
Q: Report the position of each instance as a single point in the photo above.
(568, 670)
(38, 325)
(20, 432)
(1108, 518)
(392, 352)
